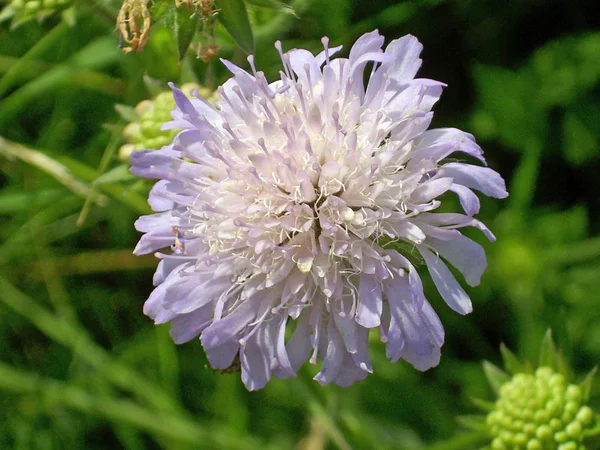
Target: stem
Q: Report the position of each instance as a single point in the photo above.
(178, 429)
(461, 441)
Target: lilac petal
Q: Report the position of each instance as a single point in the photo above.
(255, 361)
(156, 201)
(164, 268)
(482, 179)
(433, 324)
(367, 43)
(406, 62)
(299, 60)
(408, 231)
(468, 200)
(150, 242)
(368, 312)
(155, 223)
(153, 163)
(431, 189)
(421, 361)
(347, 327)
(322, 57)
(192, 292)
(227, 328)
(439, 143)
(349, 372)
(186, 327)
(464, 254)
(362, 357)
(282, 361)
(446, 284)
(299, 346)
(332, 362)
(221, 356)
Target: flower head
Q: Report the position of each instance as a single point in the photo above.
(283, 204)
(537, 411)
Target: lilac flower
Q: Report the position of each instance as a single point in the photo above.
(281, 203)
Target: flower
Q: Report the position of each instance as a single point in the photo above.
(537, 411)
(143, 131)
(284, 203)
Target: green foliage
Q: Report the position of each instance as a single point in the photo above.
(82, 367)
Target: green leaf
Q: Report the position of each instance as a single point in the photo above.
(495, 376)
(566, 68)
(581, 133)
(548, 354)
(116, 175)
(472, 422)
(69, 16)
(234, 17)
(186, 25)
(482, 404)
(511, 362)
(126, 112)
(586, 384)
(506, 99)
(273, 4)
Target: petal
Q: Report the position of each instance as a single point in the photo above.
(464, 254)
(299, 345)
(482, 179)
(368, 312)
(332, 362)
(468, 200)
(406, 62)
(439, 143)
(431, 189)
(255, 361)
(445, 283)
(186, 327)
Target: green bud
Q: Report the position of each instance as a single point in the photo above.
(539, 411)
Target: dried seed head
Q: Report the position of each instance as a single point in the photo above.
(134, 23)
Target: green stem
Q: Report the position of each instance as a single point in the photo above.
(48, 41)
(525, 178)
(166, 426)
(575, 253)
(470, 439)
(75, 338)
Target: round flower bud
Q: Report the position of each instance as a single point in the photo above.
(145, 132)
(539, 411)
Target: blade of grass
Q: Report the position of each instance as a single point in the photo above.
(107, 156)
(172, 429)
(98, 53)
(47, 42)
(55, 169)
(77, 339)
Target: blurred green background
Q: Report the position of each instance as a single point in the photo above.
(82, 367)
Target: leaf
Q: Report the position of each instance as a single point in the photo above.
(511, 362)
(472, 422)
(273, 4)
(483, 404)
(126, 112)
(495, 376)
(115, 175)
(506, 99)
(69, 16)
(586, 384)
(566, 68)
(185, 26)
(581, 133)
(234, 17)
(548, 354)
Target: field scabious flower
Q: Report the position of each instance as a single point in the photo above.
(277, 204)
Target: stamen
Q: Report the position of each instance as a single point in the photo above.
(325, 42)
